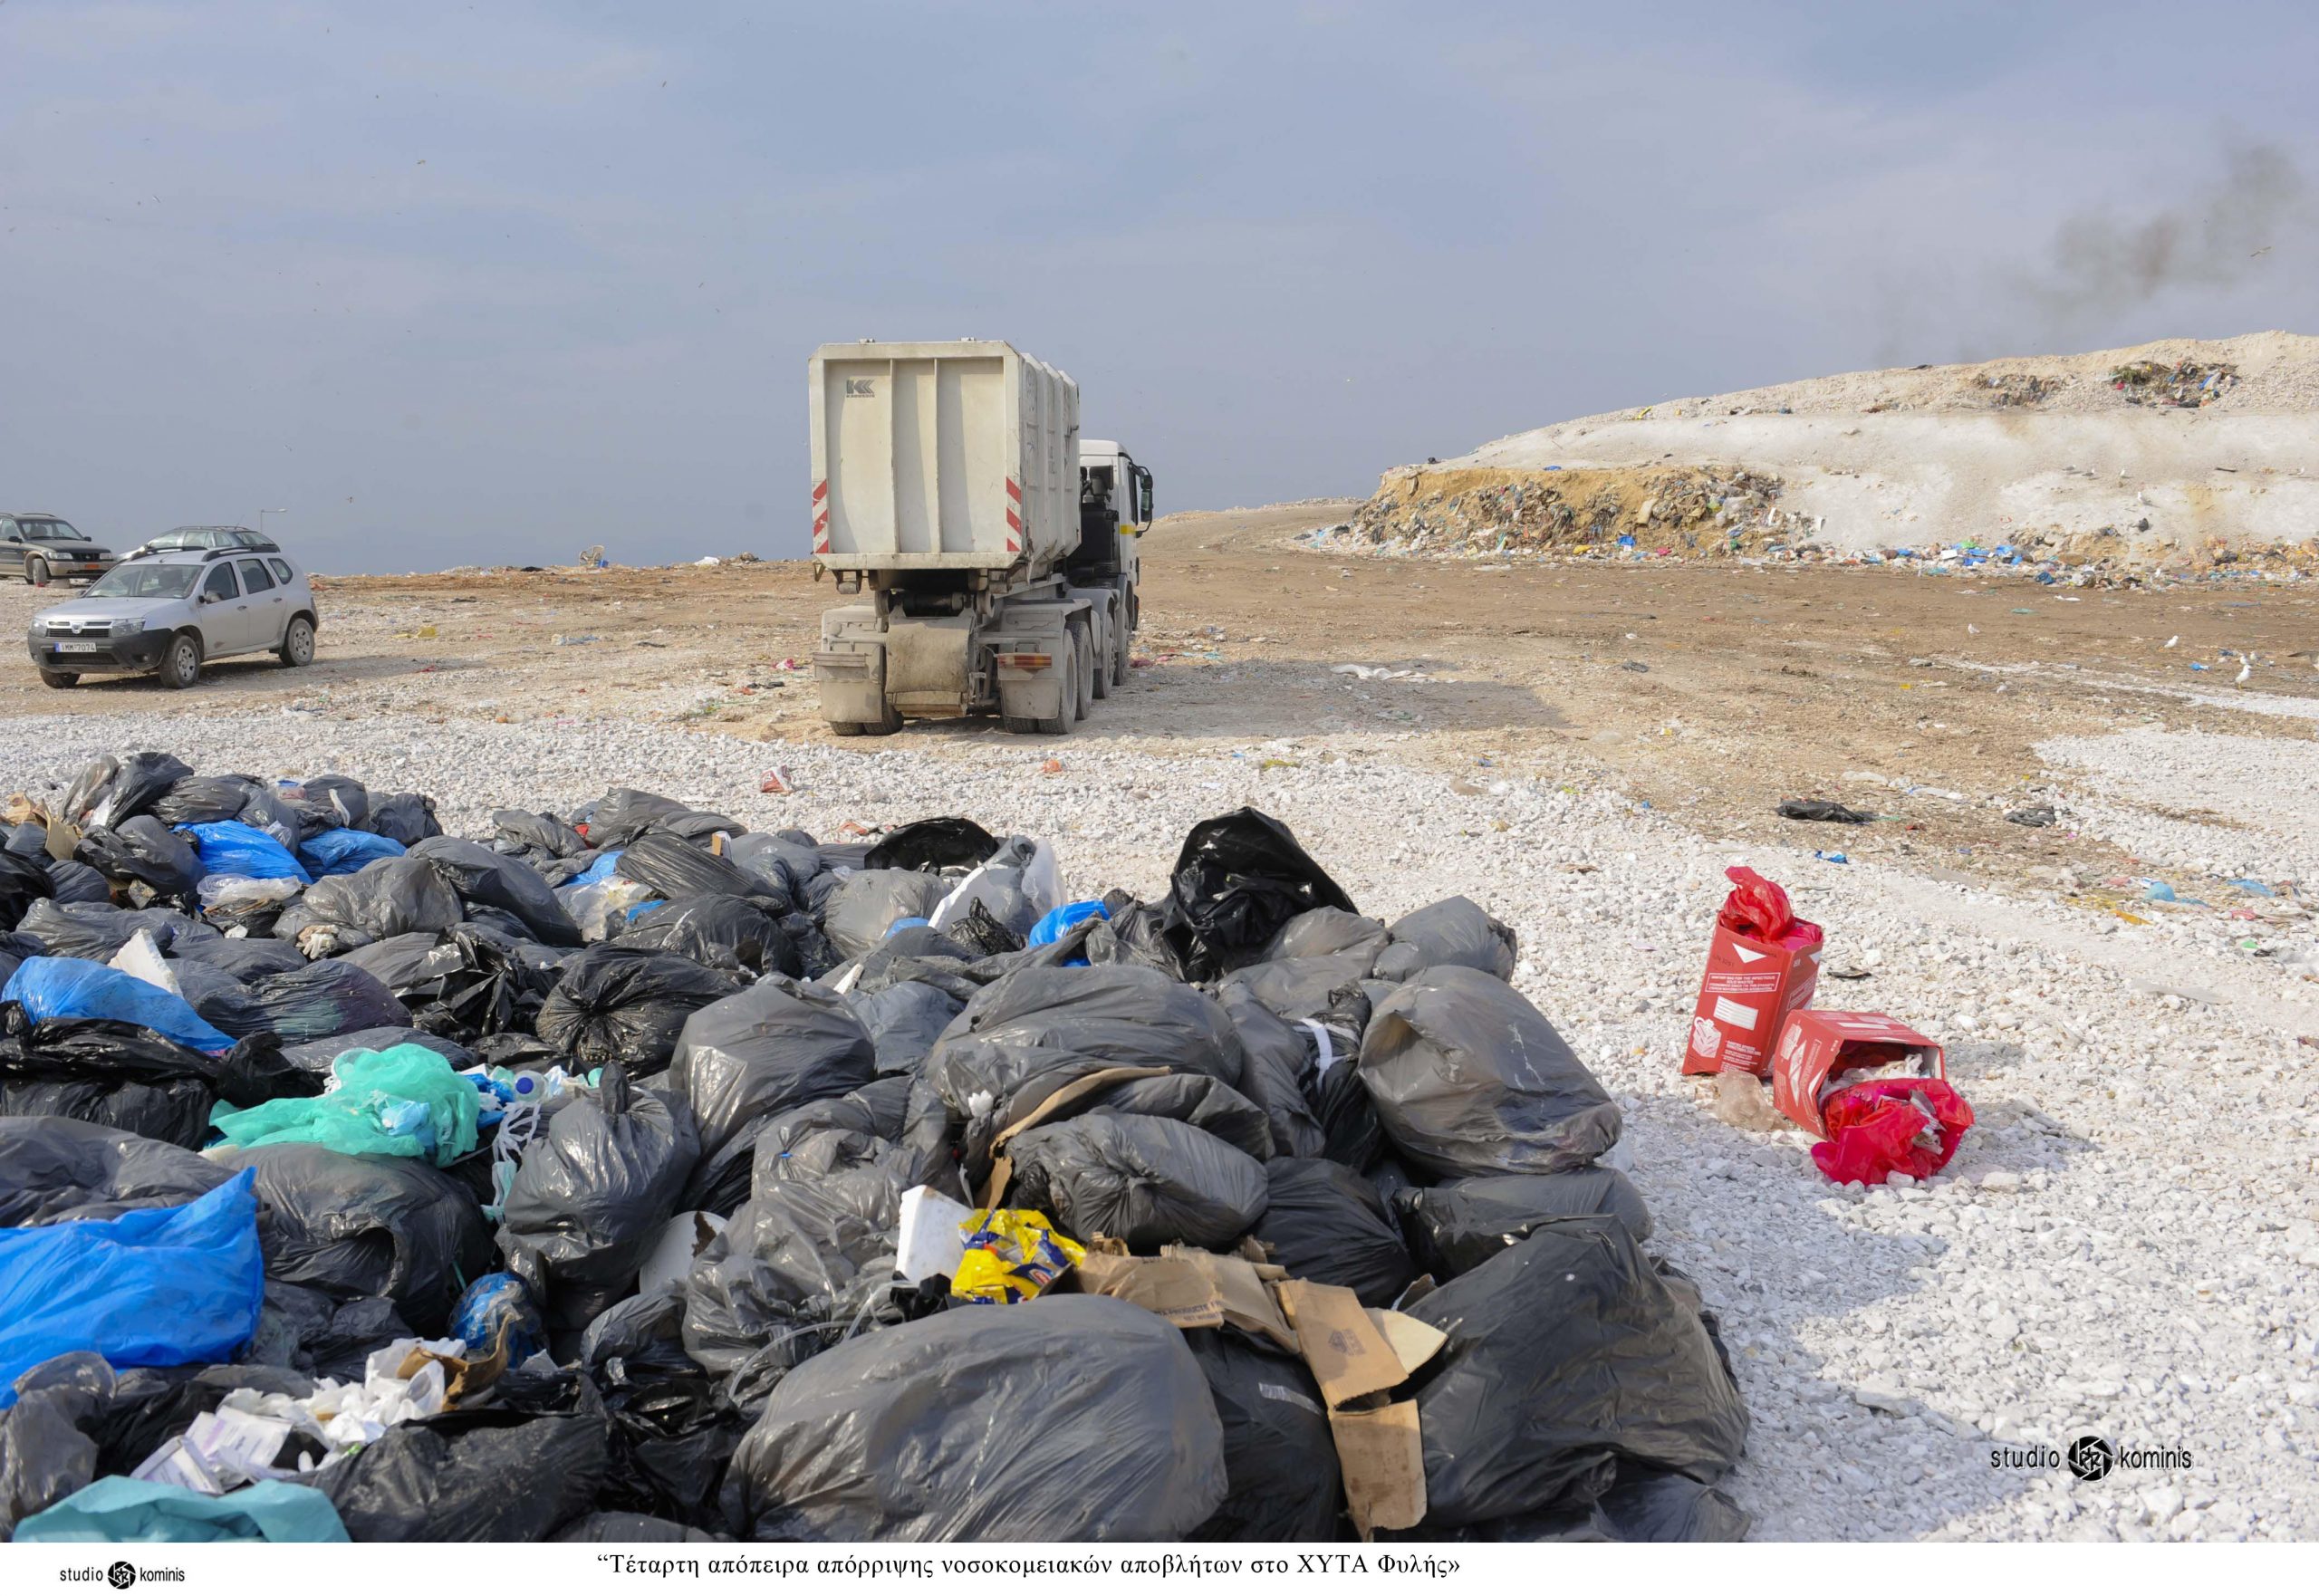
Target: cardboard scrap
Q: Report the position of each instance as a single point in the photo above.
(1357, 1355)
(1190, 1289)
(1002, 1168)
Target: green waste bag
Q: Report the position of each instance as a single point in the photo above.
(406, 1101)
(117, 1508)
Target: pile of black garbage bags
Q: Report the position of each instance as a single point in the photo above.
(770, 1039)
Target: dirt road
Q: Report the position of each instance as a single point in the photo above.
(1710, 691)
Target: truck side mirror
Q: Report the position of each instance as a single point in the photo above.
(1142, 495)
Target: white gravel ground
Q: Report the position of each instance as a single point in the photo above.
(2125, 1245)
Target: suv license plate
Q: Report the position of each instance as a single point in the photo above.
(86, 646)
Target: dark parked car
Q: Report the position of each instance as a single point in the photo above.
(40, 548)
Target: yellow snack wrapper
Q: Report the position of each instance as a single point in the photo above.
(1011, 1256)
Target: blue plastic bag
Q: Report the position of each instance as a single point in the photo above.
(84, 989)
(150, 1290)
(342, 852)
(606, 866)
(494, 1304)
(229, 848)
(1056, 921)
(117, 1508)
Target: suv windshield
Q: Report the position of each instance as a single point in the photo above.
(49, 532)
(140, 581)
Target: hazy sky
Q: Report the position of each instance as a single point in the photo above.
(480, 283)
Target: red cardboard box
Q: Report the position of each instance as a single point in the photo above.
(1820, 1045)
(1751, 985)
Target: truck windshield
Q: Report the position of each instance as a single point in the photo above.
(139, 581)
(49, 532)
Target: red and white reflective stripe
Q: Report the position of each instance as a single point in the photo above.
(1011, 548)
(820, 490)
(1013, 521)
(1012, 492)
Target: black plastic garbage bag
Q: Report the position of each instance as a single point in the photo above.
(1135, 933)
(464, 982)
(1453, 1227)
(797, 1268)
(54, 1170)
(201, 801)
(47, 1451)
(141, 849)
(1142, 1180)
(1325, 1222)
(749, 1056)
(1823, 809)
(330, 802)
(1240, 879)
(70, 881)
(1470, 1079)
(777, 861)
(723, 932)
(133, 788)
(945, 841)
(99, 930)
(367, 1227)
(675, 870)
(1319, 933)
(672, 1436)
(316, 1058)
(1454, 931)
(627, 1006)
(519, 1467)
(593, 1193)
(640, 1529)
(1280, 1459)
(26, 840)
(1063, 1418)
(480, 876)
(242, 957)
(23, 882)
(1568, 1357)
(1298, 988)
(313, 1332)
(110, 1072)
(408, 818)
(1200, 1100)
(543, 836)
(328, 998)
(1120, 1015)
(625, 814)
(904, 1020)
(1278, 1059)
(386, 898)
(863, 907)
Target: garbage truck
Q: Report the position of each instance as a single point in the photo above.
(987, 550)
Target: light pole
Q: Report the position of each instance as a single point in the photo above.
(261, 515)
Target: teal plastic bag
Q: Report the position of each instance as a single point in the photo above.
(405, 1103)
(117, 1508)
(150, 1290)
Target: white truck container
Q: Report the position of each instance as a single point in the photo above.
(951, 496)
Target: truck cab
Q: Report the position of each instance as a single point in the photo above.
(1114, 511)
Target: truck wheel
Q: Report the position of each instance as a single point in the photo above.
(59, 678)
(36, 572)
(181, 665)
(1100, 652)
(847, 728)
(1122, 648)
(1082, 670)
(886, 727)
(1056, 724)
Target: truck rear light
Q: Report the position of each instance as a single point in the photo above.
(1024, 661)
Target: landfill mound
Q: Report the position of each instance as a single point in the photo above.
(2182, 455)
(628, 1175)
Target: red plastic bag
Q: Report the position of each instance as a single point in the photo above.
(1904, 1126)
(1756, 908)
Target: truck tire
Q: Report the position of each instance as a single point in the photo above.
(886, 727)
(1056, 724)
(1122, 647)
(1083, 667)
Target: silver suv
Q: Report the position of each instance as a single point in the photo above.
(171, 613)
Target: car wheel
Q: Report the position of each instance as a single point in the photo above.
(180, 667)
(59, 678)
(298, 642)
(36, 572)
